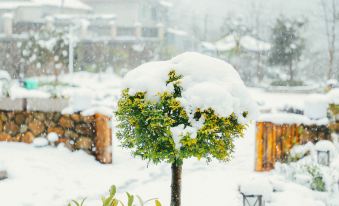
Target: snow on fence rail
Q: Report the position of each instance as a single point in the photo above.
(78, 131)
(276, 134)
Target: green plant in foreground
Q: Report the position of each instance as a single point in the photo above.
(111, 200)
(317, 183)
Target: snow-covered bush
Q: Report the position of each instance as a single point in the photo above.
(45, 51)
(190, 106)
(300, 151)
(317, 182)
(306, 171)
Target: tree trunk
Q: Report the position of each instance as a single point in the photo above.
(291, 71)
(260, 73)
(176, 184)
(330, 63)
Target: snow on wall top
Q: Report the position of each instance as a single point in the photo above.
(207, 83)
(288, 118)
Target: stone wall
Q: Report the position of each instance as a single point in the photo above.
(89, 133)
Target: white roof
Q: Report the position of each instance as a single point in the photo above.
(226, 44)
(252, 44)
(166, 4)
(176, 32)
(73, 4)
(247, 42)
(10, 5)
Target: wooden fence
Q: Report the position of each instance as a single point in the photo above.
(273, 142)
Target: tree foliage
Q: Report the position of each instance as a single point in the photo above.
(145, 127)
(288, 44)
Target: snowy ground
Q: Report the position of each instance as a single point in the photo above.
(54, 176)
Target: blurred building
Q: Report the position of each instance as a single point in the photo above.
(25, 15)
(120, 34)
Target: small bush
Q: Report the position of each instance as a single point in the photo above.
(291, 83)
(317, 183)
(111, 200)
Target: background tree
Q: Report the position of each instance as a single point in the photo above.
(330, 20)
(161, 129)
(287, 44)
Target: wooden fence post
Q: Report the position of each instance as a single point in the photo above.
(103, 140)
(269, 147)
(259, 146)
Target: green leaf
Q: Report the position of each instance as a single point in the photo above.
(141, 202)
(130, 199)
(157, 203)
(76, 203)
(113, 190)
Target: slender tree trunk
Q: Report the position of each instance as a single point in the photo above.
(291, 71)
(330, 63)
(260, 73)
(176, 184)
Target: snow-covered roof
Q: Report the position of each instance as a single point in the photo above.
(208, 46)
(176, 32)
(246, 42)
(73, 4)
(166, 3)
(252, 44)
(10, 5)
(227, 43)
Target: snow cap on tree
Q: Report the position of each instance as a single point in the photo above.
(206, 82)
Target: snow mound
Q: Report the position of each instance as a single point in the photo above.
(52, 137)
(98, 110)
(257, 186)
(333, 96)
(325, 145)
(207, 82)
(40, 142)
(315, 106)
(2, 167)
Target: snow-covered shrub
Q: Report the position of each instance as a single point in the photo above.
(45, 51)
(306, 171)
(190, 106)
(300, 151)
(317, 182)
(111, 200)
